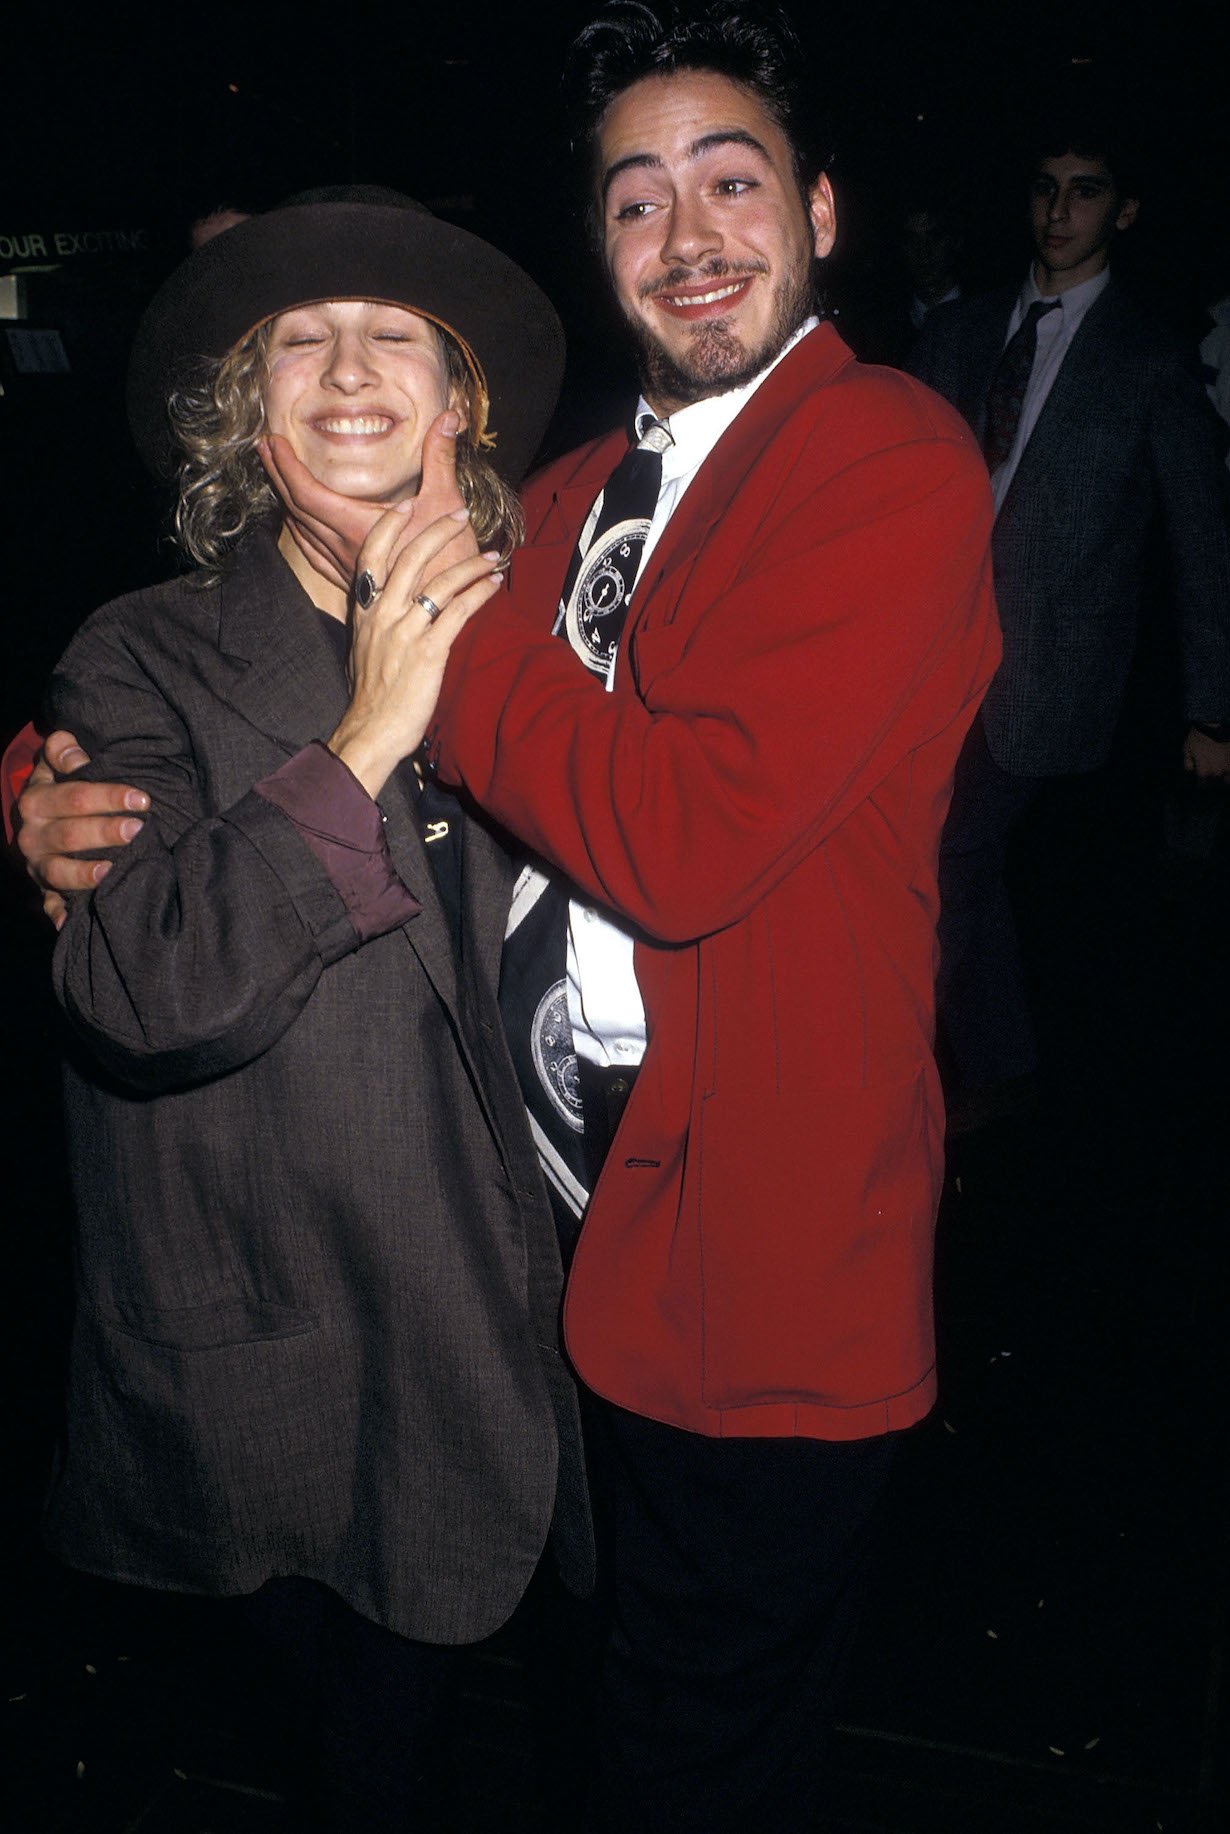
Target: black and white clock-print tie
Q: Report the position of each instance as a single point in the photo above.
(607, 557)
(533, 974)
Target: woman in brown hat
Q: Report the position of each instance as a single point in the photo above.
(314, 1354)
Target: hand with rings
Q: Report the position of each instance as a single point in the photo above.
(401, 637)
(366, 591)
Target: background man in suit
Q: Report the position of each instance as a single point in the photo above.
(727, 963)
(1094, 425)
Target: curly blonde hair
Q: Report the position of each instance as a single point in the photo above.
(218, 416)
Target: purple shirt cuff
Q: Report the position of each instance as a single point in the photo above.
(343, 827)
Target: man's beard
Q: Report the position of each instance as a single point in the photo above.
(716, 359)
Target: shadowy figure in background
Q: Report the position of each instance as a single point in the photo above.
(1215, 356)
(1095, 429)
(932, 242)
(215, 222)
(895, 278)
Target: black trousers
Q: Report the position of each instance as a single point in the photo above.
(359, 1707)
(738, 1576)
(985, 1031)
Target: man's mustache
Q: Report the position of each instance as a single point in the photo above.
(717, 269)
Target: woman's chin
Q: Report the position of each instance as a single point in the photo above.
(367, 484)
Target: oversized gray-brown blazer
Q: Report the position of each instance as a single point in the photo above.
(317, 1276)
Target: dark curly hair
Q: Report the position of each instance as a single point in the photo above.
(753, 45)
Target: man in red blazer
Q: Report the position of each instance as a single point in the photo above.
(744, 791)
(721, 967)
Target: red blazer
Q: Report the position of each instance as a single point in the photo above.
(762, 797)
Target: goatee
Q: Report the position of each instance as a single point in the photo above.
(717, 359)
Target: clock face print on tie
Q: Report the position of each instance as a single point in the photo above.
(593, 615)
(555, 1059)
(605, 562)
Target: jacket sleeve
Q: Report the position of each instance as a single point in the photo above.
(1187, 443)
(207, 936)
(857, 625)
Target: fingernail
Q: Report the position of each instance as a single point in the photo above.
(459, 515)
(61, 920)
(129, 830)
(405, 506)
(450, 426)
(490, 554)
(136, 799)
(74, 758)
(100, 871)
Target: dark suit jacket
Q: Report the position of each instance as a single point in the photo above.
(1126, 435)
(318, 1281)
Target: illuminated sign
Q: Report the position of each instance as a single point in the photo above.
(63, 244)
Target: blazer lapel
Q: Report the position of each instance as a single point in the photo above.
(814, 361)
(428, 933)
(489, 869)
(985, 336)
(292, 690)
(1074, 398)
(539, 568)
(290, 687)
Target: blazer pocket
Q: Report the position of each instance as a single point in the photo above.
(817, 1211)
(210, 1327)
(225, 1444)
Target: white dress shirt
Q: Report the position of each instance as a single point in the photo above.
(1055, 333)
(604, 1002)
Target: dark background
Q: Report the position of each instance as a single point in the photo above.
(1046, 1644)
(136, 121)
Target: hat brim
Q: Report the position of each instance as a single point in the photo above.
(403, 255)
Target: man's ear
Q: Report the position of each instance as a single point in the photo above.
(823, 214)
(1128, 211)
(459, 405)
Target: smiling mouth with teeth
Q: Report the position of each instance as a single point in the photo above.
(705, 299)
(356, 425)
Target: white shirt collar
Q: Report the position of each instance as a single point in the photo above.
(695, 430)
(1074, 303)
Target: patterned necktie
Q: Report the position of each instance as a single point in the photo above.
(1006, 395)
(533, 974)
(603, 568)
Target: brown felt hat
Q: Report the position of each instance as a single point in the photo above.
(353, 242)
